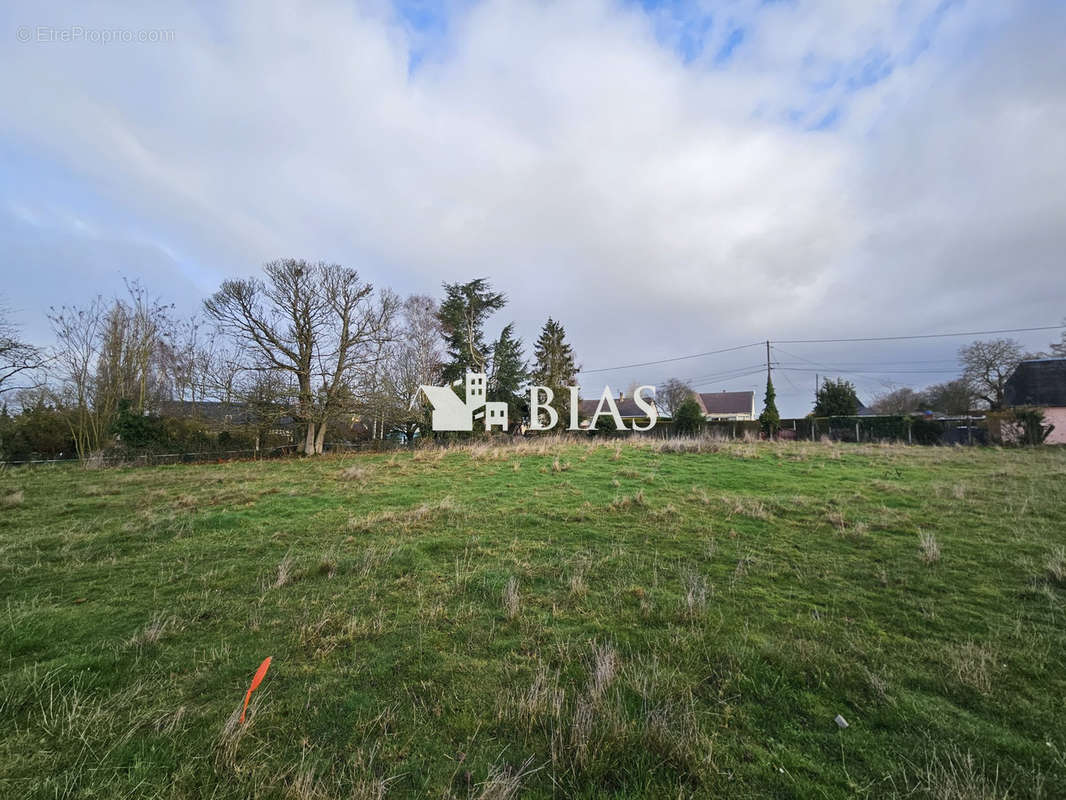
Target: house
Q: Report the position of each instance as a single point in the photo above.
(213, 414)
(628, 410)
(733, 406)
(219, 416)
(1041, 383)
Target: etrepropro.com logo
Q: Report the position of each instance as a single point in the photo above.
(70, 34)
(450, 413)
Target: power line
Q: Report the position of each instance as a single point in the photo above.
(821, 366)
(821, 341)
(727, 380)
(870, 371)
(669, 360)
(921, 335)
(720, 373)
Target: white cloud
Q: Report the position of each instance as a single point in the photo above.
(564, 151)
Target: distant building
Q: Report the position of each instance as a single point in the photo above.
(735, 406)
(212, 413)
(1041, 383)
(628, 410)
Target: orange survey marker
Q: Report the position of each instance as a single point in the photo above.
(258, 679)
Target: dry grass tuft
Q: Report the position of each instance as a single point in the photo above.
(578, 586)
(327, 565)
(505, 783)
(669, 511)
(354, 473)
(628, 502)
(510, 598)
(745, 506)
(957, 776)
(404, 518)
(854, 530)
(972, 664)
(691, 444)
(152, 632)
(560, 466)
(928, 548)
(694, 600)
(698, 495)
(284, 575)
(12, 499)
(603, 670)
(1056, 565)
(233, 731)
(375, 556)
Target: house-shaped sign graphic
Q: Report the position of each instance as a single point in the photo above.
(452, 414)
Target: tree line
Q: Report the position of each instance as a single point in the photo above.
(985, 365)
(306, 345)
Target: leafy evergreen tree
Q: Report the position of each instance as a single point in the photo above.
(769, 419)
(462, 315)
(509, 374)
(688, 419)
(836, 399)
(555, 366)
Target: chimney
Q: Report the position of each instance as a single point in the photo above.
(621, 396)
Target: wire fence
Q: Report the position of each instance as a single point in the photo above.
(963, 430)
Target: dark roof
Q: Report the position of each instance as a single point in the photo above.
(1038, 382)
(205, 410)
(627, 408)
(727, 402)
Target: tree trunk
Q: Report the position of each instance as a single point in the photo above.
(308, 447)
(320, 438)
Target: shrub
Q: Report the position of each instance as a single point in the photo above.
(689, 419)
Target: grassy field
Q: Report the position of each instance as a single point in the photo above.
(546, 620)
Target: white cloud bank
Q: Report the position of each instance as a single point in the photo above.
(656, 204)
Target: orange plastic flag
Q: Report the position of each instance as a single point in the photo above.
(258, 679)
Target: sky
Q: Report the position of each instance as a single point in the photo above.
(664, 178)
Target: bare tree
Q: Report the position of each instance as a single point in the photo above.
(16, 356)
(899, 401)
(1059, 348)
(133, 349)
(951, 397)
(671, 395)
(417, 358)
(182, 360)
(986, 367)
(78, 333)
(318, 322)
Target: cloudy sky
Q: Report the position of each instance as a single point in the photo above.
(665, 178)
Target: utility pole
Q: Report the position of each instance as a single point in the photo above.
(767, 360)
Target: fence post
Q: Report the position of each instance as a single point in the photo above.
(909, 432)
(857, 432)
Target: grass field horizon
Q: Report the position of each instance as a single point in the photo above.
(550, 619)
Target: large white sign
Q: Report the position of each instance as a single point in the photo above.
(452, 414)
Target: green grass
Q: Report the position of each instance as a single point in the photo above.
(549, 620)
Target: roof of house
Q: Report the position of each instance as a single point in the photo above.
(1037, 382)
(714, 403)
(627, 408)
(206, 410)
